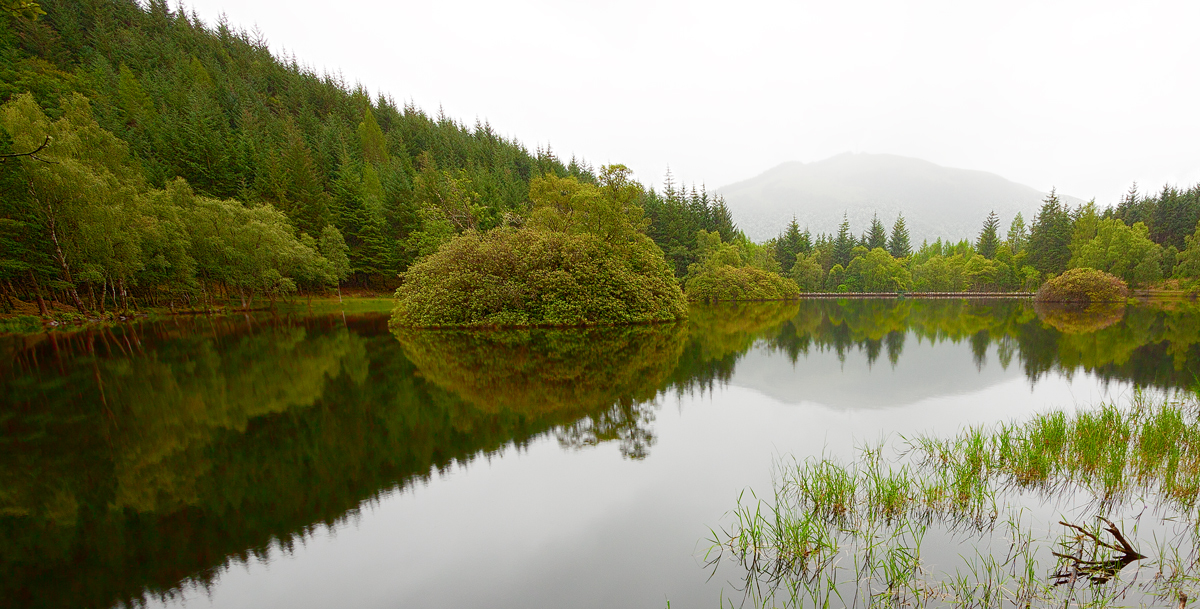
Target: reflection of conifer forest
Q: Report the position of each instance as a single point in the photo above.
(138, 457)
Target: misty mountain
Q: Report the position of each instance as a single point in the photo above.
(936, 201)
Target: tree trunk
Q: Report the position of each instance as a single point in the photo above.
(38, 292)
(62, 262)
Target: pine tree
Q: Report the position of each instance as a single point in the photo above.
(788, 245)
(843, 244)
(1018, 236)
(898, 245)
(877, 236)
(1050, 236)
(988, 237)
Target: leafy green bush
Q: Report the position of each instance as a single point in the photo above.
(536, 277)
(724, 282)
(1083, 285)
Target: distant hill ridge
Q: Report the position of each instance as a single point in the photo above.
(936, 201)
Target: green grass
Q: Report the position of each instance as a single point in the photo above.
(851, 533)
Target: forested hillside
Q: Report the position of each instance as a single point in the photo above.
(150, 96)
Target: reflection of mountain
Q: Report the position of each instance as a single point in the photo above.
(924, 371)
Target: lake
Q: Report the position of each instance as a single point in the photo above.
(321, 460)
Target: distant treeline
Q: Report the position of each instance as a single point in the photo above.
(1143, 240)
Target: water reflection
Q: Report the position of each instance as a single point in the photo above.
(601, 377)
(137, 457)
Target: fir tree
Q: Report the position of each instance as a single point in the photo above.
(898, 245)
(1050, 236)
(877, 236)
(843, 244)
(988, 237)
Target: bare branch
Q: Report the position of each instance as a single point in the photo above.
(31, 154)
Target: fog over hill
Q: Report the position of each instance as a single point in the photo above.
(936, 201)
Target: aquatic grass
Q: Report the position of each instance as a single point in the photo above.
(869, 516)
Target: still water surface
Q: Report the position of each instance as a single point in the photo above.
(323, 460)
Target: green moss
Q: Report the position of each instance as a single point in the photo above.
(529, 277)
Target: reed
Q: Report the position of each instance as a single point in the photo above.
(851, 533)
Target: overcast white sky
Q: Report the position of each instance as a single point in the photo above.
(1087, 96)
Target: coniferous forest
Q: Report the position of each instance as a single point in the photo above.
(151, 160)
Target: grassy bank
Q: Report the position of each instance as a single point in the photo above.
(24, 319)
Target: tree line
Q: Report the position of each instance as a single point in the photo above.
(1143, 240)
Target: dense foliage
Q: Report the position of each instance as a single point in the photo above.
(739, 271)
(1083, 286)
(580, 259)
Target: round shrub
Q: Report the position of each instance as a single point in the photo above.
(726, 282)
(530, 277)
(1083, 286)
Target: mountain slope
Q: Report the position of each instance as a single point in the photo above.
(936, 201)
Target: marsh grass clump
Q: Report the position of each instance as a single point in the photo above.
(1146, 449)
(851, 532)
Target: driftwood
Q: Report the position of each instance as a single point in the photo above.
(1098, 571)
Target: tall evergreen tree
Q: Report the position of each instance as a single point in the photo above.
(1050, 236)
(1017, 234)
(877, 236)
(843, 244)
(988, 237)
(898, 245)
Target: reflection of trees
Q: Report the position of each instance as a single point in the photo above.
(719, 334)
(544, 370)
(627, 423)
(1155, 344)
(135, 458)
(1151, 344)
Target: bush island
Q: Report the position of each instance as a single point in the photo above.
(1082, 286)
(529, 277)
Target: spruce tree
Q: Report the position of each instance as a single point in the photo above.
(788, 245)
(1017, 234)
(1050, 236)
(898, 245)
(988, 237)
(877, 236)
(843, 244)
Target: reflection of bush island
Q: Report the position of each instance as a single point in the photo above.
(726, 282)
(1083, 286)
(546, 370)
(527, 277)
(1073, 318)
